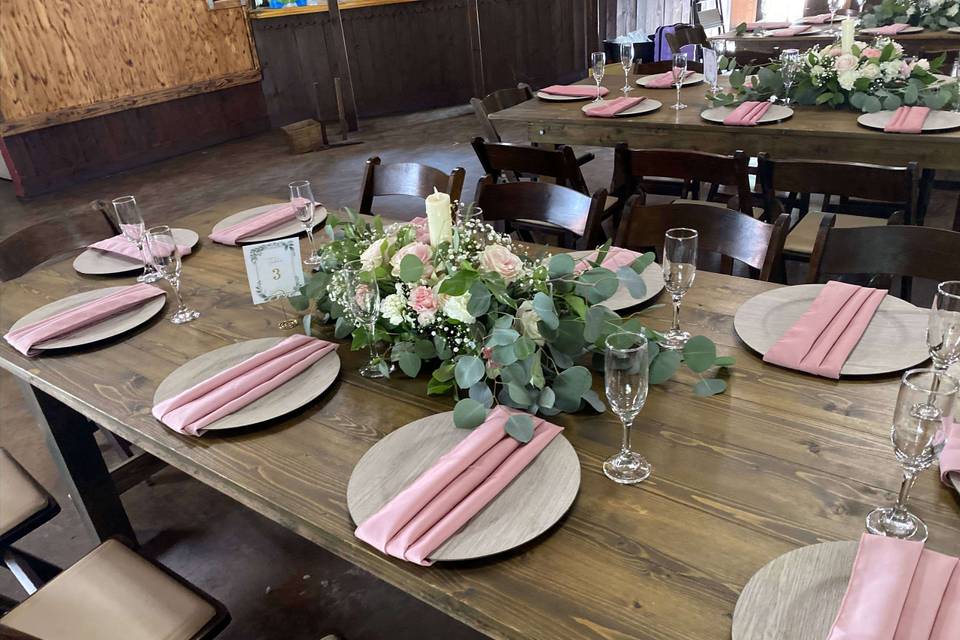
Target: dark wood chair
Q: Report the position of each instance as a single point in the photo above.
(687, 34)
(498, 101)
(512, 162)
(538, 210)
(650, 68)
(30, 247)
(105, 209)
(406, 179)
(866, 194)
(638, 170)
(732, 235)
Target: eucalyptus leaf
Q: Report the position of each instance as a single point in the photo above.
(482, 394)
(597, 285)
(537, 378)
(577, 304)
(411, 268)
(524, 347)
(479, 301)
(569, 387)
(664, 366)
(594, 401)
(425, 349)
(504, 355)
(458, 284)
(342, 328)
(632, 281)
(520, 428)
(519, 394)
(600, 323)
(547, 398)
(871, 105)
(543, 305)
(709, 387)
(699, 354)
(724, 361)
(410, 364)
(500, 337)
(561, 265)
(469, 414)
(469, 371)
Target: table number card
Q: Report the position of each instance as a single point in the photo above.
(273, 269)
(710, 66)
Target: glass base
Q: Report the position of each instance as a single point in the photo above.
(678, 106)
(148, 277)
(372, 370)
(627, 467)
(313, 261)
(883, 522)
(184, 315)
(626, 89)
(674, 339)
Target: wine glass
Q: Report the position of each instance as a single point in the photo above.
(926, 397)
(955, 73)
(626, 379)
(131, 226)
(363, 300)
(165, 257)
(679, 270)
(834, 6)
(598, 65)
(943, 329)
(301, 197)
(789, 68)
(626, 61)
(679, 70)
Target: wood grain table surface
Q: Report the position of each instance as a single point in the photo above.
(812, 132)
(926, 43)
(779, 461)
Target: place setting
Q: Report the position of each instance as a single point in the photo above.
(748, 114)
(911, 120)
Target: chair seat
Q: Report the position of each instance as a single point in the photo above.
(24, 505)
(113, 594)
(803, 236)
(757, 211)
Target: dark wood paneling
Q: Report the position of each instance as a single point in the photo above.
(46, 159)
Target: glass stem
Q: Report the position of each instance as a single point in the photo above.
(372, 342)
(625, 444)
(679, 84)
(675, 326)
(598, 88)
(313, 245)
(143, 257)
(900, 510)
(175, 285)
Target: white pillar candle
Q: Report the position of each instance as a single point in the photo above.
(439, 218)
(847, 28)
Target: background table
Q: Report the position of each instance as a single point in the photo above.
(926, 43)
(779, 461)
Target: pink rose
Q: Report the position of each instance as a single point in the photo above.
(905, 70)
(422, 228)
(498, 259)
(833, 51)
(846, 62)
(872, 52)
(424, 302)
(418, 249)
(362, 296)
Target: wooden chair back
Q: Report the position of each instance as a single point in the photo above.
(863, 189)
(498, 101)
(505, 161)
(631, 167)
(687, 34)
(105, 209)
(650, 68)
(406, 179)
(30, 247)
(538, 209)
(730, 234)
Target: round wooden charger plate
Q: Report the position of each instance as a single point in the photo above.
(647, 105)
(292, 228)
(936, 122)
(895, 339)
(530, 505)
(796, 596)
(907, 30)
(108, 328)
(693, 78)
(652, 276)
(102, 263)
(549, 97)
(288, 397)
(776, 113)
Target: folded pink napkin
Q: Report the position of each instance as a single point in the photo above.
(790, 31)
(950, 454)
(616, 257)
(121, 246)
(574, 90)
(822, 18)
(665, 80)
(190, 411)
(84, 315)
(823, 338)
(458, 486)
(747, 114)
(899, 591)
(907, 120)
(753, 26)
(889, 30)
(273, 218)
(611, 108)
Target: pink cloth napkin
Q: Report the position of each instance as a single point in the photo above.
(821, 18)
(907, 120)
(190, 411)
(258, 224)
(665, 80)
(611, 108)
(120, 245)
(747, 114)
(574, 90)
(950, 454)
(889, 30)
(823, 338)
(458, 486)
(790, 31)
(81, 316)
(753, 26)
(616, 257)
(899, 591)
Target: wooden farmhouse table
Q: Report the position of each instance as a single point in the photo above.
(779, 461)
(926, 43)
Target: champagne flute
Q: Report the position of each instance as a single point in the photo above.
(165, 256)
(926, 397)
(679, 70)
(834, 6)
(301, 197)
(598, 65)
(131, 226)
(626, 380)
(626, 61)
(943, 328)
(363, 300)
(789, 68)
(955, 73)
(679, 270)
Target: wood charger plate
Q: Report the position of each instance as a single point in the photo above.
(94, 262)
(108, 328)
(796, 596)
(776, 113)
(895, 339)
(531, 504)
(286, 230)
(936, 122)
(652, 276)
(290, 396)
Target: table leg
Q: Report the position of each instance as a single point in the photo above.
(70, 438)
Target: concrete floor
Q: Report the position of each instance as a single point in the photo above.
(275, 584)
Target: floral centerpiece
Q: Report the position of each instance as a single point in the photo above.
(868, 77)
(492, 322)
(935, 15)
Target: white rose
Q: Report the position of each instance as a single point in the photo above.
(890, 69)
(372, 257)
(456, 307)
(847, 78)
(923, 63)
(952, 11)
(392, 308)
(528, 318)
(870, 71)
(845, 62)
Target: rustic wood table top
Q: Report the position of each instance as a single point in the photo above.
(812, 132)
(926, 43)
(779, 461)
